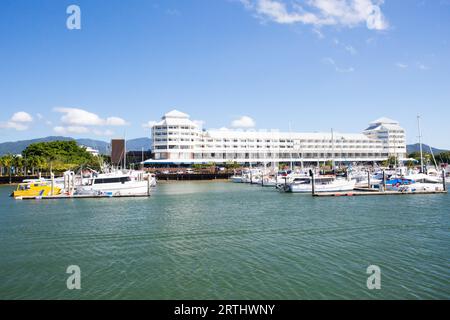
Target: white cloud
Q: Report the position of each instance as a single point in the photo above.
(74, 116)
(103, 133)
(243, 122)
(19, 121)
(350, 50)
(401, 65)
(80, 117)
(115, 121)
(60, 130)
(149, 124)
(422, 67)
(71, 129)
(21, 116)
(39, 116)
(339, 69)
(371, 41)
(13, 125)
(318, 33)
(348, 13)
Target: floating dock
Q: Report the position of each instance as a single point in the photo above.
(79, 196)
(357, 193)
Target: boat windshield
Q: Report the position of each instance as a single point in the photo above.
(112, 180)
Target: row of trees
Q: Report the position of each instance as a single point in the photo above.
(443, 157)
(46, 157)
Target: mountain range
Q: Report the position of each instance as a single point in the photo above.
(426, 148)
(103, 147)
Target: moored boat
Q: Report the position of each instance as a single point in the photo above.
(321, 184)
(115, 183)
(36, 189)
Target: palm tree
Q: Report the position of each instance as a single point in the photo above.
(17, 163)
(32, 162)
(8, 162)
(2, 165)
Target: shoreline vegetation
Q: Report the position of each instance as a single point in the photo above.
(42, 159)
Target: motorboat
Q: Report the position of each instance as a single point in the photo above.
(421, 187)
(115, 183)
(36, 189)
(237, 179)
(396, 184)
(321, 184)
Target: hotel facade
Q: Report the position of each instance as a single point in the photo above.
(178, 140)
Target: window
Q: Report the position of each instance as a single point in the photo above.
(112, 180)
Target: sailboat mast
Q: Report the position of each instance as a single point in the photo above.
(125, 154)
(420, 144)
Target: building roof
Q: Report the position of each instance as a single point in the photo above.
(176, 114)
(176, 118)
(384, 120)
(384, 126)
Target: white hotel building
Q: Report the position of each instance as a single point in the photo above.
(178, 140)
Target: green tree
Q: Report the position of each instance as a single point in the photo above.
(7, 161)
(60, 155)
(391, 161)
(443, 157)
(232, 165)
(17, 163)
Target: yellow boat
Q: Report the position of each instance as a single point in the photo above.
(35, 189)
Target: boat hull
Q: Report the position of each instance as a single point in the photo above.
(137, 188)
(336, 186)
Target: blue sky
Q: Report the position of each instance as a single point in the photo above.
(316, 64)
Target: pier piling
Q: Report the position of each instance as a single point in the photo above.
(444, 183)
(313, 183)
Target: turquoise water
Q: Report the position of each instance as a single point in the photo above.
(218, 240)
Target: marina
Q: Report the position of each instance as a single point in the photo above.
(357, 193)
(223, 240)
(224, 159)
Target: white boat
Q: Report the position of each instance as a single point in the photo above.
(425, 178)
(419, 187)
(269, 181)
(237, 179)
(321, 184)
(117, 183)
